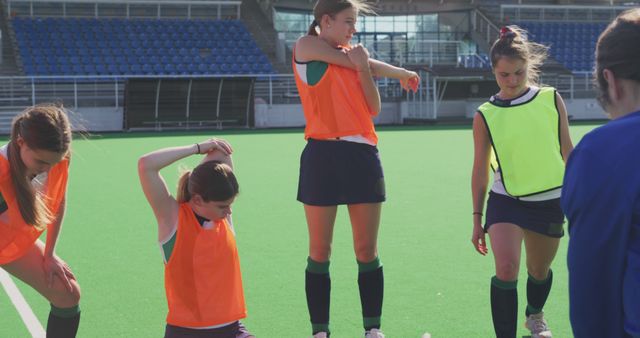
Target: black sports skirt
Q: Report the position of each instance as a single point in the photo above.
(340, 172)
(543, 217)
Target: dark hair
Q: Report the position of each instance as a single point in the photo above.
(333, 7)
(212, 180)
(618, 50)
(41, 127)
(514, 43)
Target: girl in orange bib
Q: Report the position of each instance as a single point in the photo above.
(34, 167)
(340, 164)
(202, 269)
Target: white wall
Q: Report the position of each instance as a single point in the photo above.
(97, 119)
(291, 115)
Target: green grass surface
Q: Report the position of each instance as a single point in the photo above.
(434, 279)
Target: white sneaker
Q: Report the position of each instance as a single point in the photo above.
(538, 326)
(373, 333)
(426, 335)
(320, 335)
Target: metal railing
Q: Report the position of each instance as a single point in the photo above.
(108, 91)
(483, 26)
(189, 9)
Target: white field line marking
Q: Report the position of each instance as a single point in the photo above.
(28, 317)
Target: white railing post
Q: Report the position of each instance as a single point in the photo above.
(219, 98)
(270, 91)
(116, 94)
(33, 92)
(189, 100)
(572, 88)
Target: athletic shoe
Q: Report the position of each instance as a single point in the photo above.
(320, 335)
(538, 326)
(373, 333)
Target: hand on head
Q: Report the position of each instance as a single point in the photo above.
(215, 144)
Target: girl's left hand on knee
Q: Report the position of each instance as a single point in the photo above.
(54, 266)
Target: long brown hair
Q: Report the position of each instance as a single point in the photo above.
(514, 43)
(41, 127)
(333, 7)
(619, 51)
(212, 180)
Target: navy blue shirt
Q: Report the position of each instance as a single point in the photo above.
(601, 199)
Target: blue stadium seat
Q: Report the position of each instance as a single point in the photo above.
(572, 43)
(101, 46)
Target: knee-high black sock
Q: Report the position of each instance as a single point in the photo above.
(63, 323)
(318, 289)
(504, 307)
(371, 284)
(537, 293)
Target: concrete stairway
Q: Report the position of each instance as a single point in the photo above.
(263, 32)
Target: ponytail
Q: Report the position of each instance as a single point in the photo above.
(212, 180)
(183, 187)
(30, 202)
(313, 28)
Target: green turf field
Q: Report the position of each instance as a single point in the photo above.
(434, 279)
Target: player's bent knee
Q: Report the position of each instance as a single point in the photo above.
(60, 296)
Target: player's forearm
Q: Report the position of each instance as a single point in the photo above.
(370, 90)
(159, 159)
(383, 69)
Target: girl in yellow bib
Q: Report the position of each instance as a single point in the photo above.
(340, 163)
(202, 269)
(522, 132)
(34, 167)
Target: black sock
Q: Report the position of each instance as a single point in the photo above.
(318, 289)
(371, 284)
(63, 323)
(504, 307)
(537, 293)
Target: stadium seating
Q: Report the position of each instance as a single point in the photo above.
(572, 43)
(87, 46)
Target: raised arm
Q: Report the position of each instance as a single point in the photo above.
(360, 57)
(164, 205)
(311, 48)
(221, 154)
(408, 79)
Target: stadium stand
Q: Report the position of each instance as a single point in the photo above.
(115, 46)
(572, 43)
